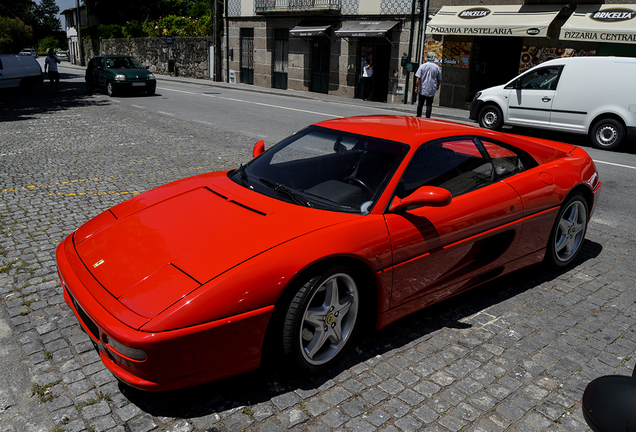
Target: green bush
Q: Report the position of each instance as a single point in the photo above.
(133, 30)
(179, 26)
(46, 43)
(109, 31)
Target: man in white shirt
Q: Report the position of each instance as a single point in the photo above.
(428, 79)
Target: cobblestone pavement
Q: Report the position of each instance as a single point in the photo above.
(512, 355)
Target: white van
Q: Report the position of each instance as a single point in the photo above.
(19, 71)
(584, 95)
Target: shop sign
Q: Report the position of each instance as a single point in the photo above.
(474, 13)
(613, 15)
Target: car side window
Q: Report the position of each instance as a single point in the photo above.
(457, 165)
(541, 79)
(506, 161)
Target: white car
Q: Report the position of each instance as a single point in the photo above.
(21, 71)
(62, 55)
(29, 51)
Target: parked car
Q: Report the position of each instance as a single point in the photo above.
(29, 52)
(19, 71)
(350, 223)
(583, 95)
(119, 73)
(63, 55)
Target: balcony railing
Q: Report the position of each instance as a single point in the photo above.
(262, 6)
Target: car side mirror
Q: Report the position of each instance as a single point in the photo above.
(430, 196)
(259, 149)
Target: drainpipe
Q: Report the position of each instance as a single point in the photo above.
(408, 74)
(80, 45)
(227, 43)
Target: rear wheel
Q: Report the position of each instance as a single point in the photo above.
(322, 319)
(568, 232)
(607, 134)
(490, 117)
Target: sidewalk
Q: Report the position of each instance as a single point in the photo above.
(446, 113)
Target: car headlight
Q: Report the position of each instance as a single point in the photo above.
(477, 95)
(151, 76)
(132, 353)
(120, 77)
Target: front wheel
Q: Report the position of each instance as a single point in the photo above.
(607, 134)
(321, 320)
(110, 89)
(490, 117)
(568, 233)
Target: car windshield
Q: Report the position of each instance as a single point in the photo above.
(123, 63)
(324, 168)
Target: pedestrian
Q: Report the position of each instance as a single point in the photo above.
(428, 79)
(50, 63)
(367, 76)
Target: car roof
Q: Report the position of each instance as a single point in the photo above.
(407, 129)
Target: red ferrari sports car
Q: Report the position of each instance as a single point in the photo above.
(347, 223)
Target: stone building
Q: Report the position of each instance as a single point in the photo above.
(320, 45)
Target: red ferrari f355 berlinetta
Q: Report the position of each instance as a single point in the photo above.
(347, 222)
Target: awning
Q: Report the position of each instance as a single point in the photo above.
(502, 20)
(365, 28)
(309, 29)
(614, 23)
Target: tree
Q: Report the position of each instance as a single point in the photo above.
(46, 17)
(14, 35)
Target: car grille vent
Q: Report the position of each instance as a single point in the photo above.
(252, 209)
(85, 318)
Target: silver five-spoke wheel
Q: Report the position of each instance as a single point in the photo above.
(568, 233)
(321, 319)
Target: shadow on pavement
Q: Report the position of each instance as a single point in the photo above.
(16, 104)
(269, 382)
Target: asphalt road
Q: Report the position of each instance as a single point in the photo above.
(513, 355)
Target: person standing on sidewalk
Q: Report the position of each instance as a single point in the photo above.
(367, 76)
(428, 79)
(50, 63)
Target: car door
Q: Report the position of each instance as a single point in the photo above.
(438, 251)
(531, 96)
(100, 72)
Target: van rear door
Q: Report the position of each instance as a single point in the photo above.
(531, 96)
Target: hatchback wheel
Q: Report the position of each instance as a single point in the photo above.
(110, 89)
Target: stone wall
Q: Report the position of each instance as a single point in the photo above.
(191, 55)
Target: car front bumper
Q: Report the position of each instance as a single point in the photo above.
(174, 359)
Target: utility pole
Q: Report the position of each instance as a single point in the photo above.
(218, 57)
(80, 46)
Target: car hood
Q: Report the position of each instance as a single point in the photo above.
(151, 251)
(131, 74)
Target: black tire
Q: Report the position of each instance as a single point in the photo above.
(90, 88)
(322, 319)
(607, 134)
(151, 91)
(568, 232)
(490, 117)
(110, 89)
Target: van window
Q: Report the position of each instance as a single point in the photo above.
(541, 79)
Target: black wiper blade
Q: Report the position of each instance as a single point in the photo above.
(241, 171)
(285, 191)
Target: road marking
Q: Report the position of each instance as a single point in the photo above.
(178, 91)
(204, 122)
(281, 107)
(165, 113)
(615, 164)
(137, 106)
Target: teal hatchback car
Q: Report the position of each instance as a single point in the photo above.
(119, 73)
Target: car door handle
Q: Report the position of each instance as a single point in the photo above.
(546, 99)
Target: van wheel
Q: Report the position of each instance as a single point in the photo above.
(607, 134)
(490, 117)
